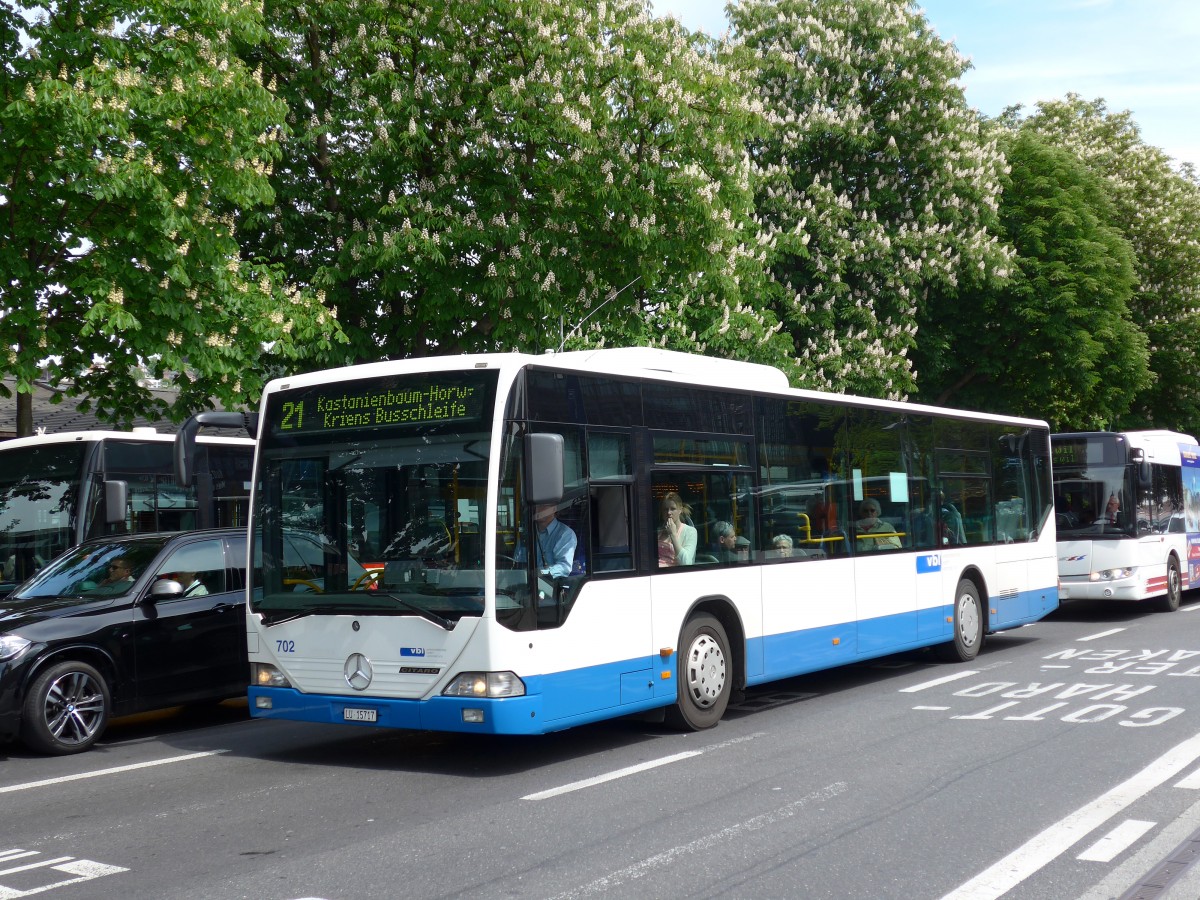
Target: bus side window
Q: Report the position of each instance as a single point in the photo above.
(612, 528)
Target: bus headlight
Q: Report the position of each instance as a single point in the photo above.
(11, 645)
(263, 675)
(485, 684)
(1112, 574)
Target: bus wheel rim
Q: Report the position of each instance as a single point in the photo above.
(706, 671)
(968, 620)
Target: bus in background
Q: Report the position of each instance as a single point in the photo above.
(57, 490)
(1127, 509)
(525, 577)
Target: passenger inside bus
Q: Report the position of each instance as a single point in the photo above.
(873, 532)
(731, 547)
(676, 538)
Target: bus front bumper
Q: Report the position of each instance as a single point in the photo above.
(1083, 588)
(510, 715)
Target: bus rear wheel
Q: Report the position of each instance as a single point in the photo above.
(705, 679)
(968, 624)
(1170, 603)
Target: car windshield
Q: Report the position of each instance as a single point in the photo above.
(97, 569)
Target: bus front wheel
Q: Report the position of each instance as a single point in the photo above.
(968, 624)
(1170, 603)
(705, 679)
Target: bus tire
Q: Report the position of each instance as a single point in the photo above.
(1170, 603)
(968, 624)
(66, 709)
(705, 679)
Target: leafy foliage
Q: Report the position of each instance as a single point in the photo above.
(1157, 209)
(130, 140)
(1055, 340)
(474, 175)
(876, 181)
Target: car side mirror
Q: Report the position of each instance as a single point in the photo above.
(165, 589)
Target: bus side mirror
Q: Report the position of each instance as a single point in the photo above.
(116, 498)
(1145, 475)
(544, 454)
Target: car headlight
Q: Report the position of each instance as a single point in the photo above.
(12, 645)
(485, 684)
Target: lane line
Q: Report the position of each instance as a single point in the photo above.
(1051, 843)
(1096, 637)
(611, 776)
(945, 679)
(1116, 841)
(41, 864)
(660, 860)
(933, 708)
(640, 767)
(1191, 782)
(29, 785)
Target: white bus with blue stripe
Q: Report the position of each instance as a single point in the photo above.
(395, 502)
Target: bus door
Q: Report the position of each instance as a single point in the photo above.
(885, 575)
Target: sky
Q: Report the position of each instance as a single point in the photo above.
(1138, 55)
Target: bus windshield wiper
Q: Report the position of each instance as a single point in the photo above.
(433, 617)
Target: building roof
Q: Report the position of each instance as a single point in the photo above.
(63, 416)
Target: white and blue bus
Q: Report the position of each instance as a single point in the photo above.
(57, 490)
(1127, 510)
(811, 531)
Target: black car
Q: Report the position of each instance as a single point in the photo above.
(122, 625)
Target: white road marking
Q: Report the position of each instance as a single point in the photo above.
(611, 776)
(945, 679)
(1051, 843)
(1105, 849)
(667, 857)
(1096, 637)
(633, 770)
(1191, 782)
(1195, 607)
(29, 785)
(82, 869)
(932, 708)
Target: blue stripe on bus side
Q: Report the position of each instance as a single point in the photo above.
(577, 696)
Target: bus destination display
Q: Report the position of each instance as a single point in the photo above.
(375, 404)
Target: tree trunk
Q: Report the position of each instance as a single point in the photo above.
(24, 414)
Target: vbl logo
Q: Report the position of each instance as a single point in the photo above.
(929, 562)
(412, 651)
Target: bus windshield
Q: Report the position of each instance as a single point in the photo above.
(39, 492)
(373, 520)
(1093, 488)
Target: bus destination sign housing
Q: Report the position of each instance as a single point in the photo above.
(390, 402)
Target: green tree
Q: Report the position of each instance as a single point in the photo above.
(875, 185)
(1157, 209)
(1055, 340)
(474, 175)
(130, 140)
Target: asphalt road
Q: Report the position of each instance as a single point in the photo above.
(1064, 762)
